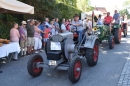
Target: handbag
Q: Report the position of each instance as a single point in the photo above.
(40, 37)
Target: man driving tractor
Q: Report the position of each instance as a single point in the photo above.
(108, 19)
(77, 27)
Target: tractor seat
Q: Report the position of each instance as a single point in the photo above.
(75, 35)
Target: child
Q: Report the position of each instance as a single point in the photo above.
(46, 34)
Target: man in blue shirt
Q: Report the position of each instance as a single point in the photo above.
(116, 17)
(41, 27)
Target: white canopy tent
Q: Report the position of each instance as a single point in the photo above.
(14, 6)
(88, 15)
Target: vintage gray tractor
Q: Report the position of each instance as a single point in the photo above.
(63, 54)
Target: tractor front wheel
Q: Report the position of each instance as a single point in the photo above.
(111, 42)
(32, 66)
(75, 69)
(117, 36)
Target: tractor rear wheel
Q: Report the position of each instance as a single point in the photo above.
(92, 54)
(31, 66)
(75, 69)
(117, 36)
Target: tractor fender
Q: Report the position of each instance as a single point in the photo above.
(90, 41)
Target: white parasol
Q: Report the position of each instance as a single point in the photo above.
(14, 6)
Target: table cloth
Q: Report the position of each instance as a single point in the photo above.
(5, 49)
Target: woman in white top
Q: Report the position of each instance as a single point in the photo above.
(99, 22)
(14, 37)
(37, 37)
(53, 29)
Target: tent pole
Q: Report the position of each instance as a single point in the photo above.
(92, 18)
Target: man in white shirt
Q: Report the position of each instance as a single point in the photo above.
(84, 23)
(63, 27)
(47, 22)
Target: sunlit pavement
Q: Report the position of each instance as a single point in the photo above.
(124, 79)
(107, 72)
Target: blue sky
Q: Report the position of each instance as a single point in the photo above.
(103, 3)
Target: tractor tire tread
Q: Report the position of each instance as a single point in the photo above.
(116, 36)
(30, 66)
(71, 70)
(89, 56)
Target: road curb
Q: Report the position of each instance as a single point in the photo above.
(124, 79)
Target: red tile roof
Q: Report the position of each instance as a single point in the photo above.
(101, 9)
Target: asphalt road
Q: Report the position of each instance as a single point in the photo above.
(106, 73)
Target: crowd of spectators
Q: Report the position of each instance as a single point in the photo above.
(32, 35)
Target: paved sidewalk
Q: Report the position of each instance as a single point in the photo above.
(124, 79)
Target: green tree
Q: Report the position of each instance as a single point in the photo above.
(125, 12)
(126, 4)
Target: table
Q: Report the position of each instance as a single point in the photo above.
(5, 49)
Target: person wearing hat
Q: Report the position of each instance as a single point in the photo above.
(23, 38)
(28, 20)
(77, 26)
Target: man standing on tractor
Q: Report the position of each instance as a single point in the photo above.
(77, 26)
(116, 17)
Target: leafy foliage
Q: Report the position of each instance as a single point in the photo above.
(126, 4)
(125, 11)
